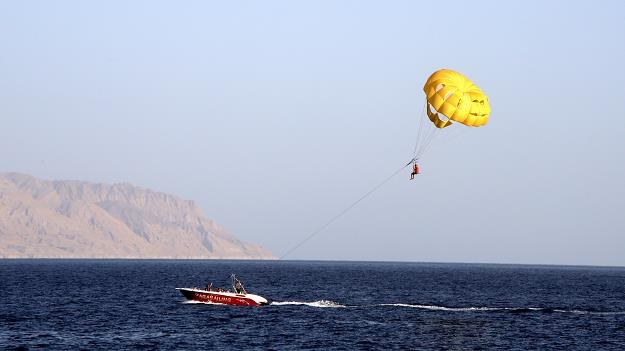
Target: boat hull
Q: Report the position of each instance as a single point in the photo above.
(224, 298)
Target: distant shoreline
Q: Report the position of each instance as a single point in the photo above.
(528, 265)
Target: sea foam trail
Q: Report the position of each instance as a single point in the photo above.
(320, 303)
(508, 309)
(443, 308)
(332, 304)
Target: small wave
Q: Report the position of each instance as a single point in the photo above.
(320, 303)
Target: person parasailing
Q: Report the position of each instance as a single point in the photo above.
(415, 170)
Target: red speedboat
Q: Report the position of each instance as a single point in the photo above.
(236, 296)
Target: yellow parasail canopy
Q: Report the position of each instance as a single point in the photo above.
(454, 96)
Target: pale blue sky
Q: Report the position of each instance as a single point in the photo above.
(274, 116)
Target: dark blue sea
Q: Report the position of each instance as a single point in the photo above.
(132, 304)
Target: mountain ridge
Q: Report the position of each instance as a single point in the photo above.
(77, 219)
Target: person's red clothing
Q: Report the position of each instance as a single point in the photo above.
(415, 171)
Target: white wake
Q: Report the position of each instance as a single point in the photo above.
(320, 303)
(442, 308)
(332, 304)
(511, 309)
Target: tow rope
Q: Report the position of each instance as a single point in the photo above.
(345, 210)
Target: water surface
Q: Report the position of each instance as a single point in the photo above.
(113, 304)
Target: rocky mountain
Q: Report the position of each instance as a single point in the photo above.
(75, 219)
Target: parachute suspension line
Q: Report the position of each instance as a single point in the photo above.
(426, 133)
(344, 211)
(420, 128)
(427, 139)
(433, 134)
